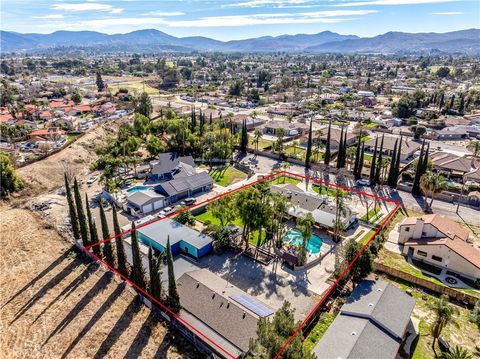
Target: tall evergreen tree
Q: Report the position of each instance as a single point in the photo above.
(122, 263)
(356, 165)
(138, 272)
(360, 162)
(373, 165)
(461, 103)
(82, 222)
(391, 180)
(99, 82)
(155, 282)
(244, 137)
(425, 160)
(93, 231)
(202, 124)
(107, 246)
(173, 301)
(211, 119)
(452, 102)
(328, 154)
(378, 170)
(340, 151)
(144, 106)
(309, 146)
(416, 190)
(72, 210)
(397, 163)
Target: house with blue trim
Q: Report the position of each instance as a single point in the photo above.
(183, 239)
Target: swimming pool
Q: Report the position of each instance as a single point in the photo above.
(294, 237)
(139, 188)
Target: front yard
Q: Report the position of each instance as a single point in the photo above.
(227, 175)
(285, 180)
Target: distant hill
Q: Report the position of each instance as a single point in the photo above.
(151, 40)
(465, 41)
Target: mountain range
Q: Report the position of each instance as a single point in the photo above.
(151, 40)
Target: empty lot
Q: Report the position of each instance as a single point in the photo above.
(55, 305)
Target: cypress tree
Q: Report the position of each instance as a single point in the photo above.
(309, 146)
(360, 162)
(416, 190)
(397, 163)
(391, 180)
(173, 301)
(461, 103)
(328, 154)
(373, 164)
(452, 102)
(122, 264)
(154, 266)
(107, 246)
(425, 160)
(244, 137)
(202, 124)
(340, 151)
(72, 210)
(81, 214)
(356, 165)
(211, 119)
(99, 82)
(441, 101)
(378, 170)
(138, 272)
(92, 231)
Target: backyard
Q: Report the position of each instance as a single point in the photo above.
(285, 180)
(262, 143)
(227, 175)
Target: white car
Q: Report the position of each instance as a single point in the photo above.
(92, 180)
(166, 211)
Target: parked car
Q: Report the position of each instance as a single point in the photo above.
(363, 182)
(166, 211)
(188, 201)
(92, 180)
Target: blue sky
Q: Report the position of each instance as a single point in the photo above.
(238, 19)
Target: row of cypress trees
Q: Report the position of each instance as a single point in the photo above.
(84, 228)
(421, 169)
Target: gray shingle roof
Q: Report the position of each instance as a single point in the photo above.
(168, 161)
(141, 198)
(370, 325)
(183, 184)
(205, 296)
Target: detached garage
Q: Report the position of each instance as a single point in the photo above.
(142, 202)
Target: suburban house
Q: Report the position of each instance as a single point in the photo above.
(335, 134)
(47, 134)
(323, 211)
(408, 148)
(375, 322)
(169, 164)
(440, 241)
(291, 129)
(142, 202)
(185, 186)
(450, 133)
(223, 312)
(183, 239)
(251, 122)
(456, 166)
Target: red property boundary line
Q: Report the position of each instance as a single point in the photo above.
(266, 178)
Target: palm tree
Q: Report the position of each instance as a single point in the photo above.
(351, 151)
(257, 135)
(432, 183)
(295, 144)
(284, 166)
(457, 352)
(305, 225)
(444, 314)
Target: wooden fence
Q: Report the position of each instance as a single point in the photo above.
(424, 283)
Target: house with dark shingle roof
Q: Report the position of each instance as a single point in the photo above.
(374, 323)
(210, 303)
(440, 241)
(185, 186)
(169, 164)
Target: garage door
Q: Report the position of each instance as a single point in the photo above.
(147, 208)
(158, 204)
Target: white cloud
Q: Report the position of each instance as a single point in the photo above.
(87, 6)
(332, 16)
(270, 3)
(53, 16)
(448, 13)
(392, 2)
(166, 14)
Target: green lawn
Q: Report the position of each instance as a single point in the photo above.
(370, 213)
(285, 179)
(321, 190)
(319, 330)
(296, 152)
(227, 175)
(262, 143)
(366, 237)
(72, 137)
(207, 216)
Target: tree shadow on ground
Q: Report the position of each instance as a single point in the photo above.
(43, 273)
(99, 286)
(96, 317)
(122, 323)
(141, 339)
(68, 289)
(46, 287)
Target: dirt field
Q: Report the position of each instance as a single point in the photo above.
(54, 305)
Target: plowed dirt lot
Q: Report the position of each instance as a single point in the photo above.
(54, 304)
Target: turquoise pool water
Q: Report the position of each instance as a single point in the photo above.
(294, 237)
(138, 188)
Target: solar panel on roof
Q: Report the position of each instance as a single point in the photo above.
(252, 305)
